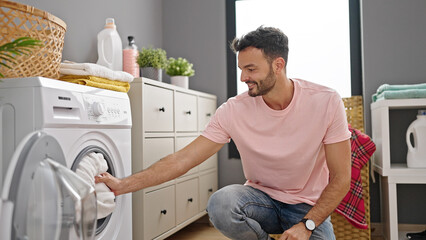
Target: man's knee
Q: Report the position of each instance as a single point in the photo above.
(221, 199)
(221, 206)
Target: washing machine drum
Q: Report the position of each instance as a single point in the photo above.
(41, 198)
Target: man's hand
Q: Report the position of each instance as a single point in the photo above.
(297, 232)
(166, 169)
(114, 184)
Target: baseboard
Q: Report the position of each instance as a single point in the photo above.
(377, 228)
(204, 219)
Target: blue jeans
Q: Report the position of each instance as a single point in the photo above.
(243, 212)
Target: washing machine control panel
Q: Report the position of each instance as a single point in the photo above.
(101, 109)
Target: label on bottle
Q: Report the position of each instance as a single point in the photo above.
(130, 64)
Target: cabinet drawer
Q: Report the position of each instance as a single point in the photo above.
(157, 109)
(206, 109)
(186, 112)
(159, 214)
(208, 185)
(186, 200)
(156, 148)
(210, 163)
(181, 142)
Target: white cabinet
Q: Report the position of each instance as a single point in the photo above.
(158, 111)
(208, 185)
(159, 212)
(165, 119)
(392, 173)
(185, 112)
(186, 200)
(155, 149)
(206, 109)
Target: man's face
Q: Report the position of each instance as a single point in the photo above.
(256, 71)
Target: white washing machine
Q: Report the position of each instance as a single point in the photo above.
(82, 120)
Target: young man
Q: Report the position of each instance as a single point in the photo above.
(293, 139)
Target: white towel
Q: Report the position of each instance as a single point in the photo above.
(92, 69)
(90, 166)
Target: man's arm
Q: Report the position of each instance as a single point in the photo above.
(168, 168)
(338, 157)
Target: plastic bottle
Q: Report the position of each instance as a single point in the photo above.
(110, 47)
(130, 54)
(416, 156)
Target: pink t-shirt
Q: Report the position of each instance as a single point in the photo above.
(282, 151)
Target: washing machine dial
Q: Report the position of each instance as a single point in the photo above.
(98, 108)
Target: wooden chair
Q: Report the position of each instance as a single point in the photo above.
(343, 229)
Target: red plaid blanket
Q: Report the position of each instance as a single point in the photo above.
(352, 205)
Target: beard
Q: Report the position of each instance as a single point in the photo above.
(263, 86)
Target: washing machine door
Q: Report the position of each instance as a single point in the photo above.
(41, 198)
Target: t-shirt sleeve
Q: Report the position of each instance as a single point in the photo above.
(216, 128)
(337, 130)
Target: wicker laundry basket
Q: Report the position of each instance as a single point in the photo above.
(19, 20)
(342, 228)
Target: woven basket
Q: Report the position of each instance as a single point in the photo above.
(19, 20)
(343, 229)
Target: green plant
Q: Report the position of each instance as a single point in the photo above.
(150, 57)
(18, 47)
(179, 67)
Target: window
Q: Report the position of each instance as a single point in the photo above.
(318, 33)
(324, 41)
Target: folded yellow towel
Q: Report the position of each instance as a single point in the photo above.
(97, 82)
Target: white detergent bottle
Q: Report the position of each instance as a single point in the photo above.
(416, 156)
(110, 48)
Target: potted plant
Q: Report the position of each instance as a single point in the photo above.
(179, 71)
(152, 61)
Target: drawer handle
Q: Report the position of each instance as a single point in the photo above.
(210, 190)
(164, 211)
(208, 114)
(189, 199)
(162, 109)
(188, 112)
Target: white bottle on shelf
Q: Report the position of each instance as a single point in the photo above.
(110, 47)
(416, 156)
(130, 54)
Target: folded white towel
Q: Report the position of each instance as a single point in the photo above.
(92, 69)
(90, 166)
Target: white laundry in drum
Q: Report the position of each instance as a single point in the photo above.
(90, 166)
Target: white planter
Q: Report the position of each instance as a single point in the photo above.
(180, 81)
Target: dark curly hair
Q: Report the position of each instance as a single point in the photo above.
(272, 41)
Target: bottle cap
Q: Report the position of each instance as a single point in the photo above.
(110, 23)
(421, 112)
(131, 40)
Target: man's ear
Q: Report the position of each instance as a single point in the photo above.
(278, 64)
